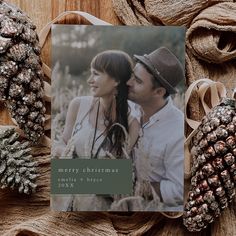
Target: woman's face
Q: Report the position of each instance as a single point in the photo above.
(101, 84)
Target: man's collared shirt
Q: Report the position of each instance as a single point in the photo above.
(161, 149)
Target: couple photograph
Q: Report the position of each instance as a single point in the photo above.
(118, 93)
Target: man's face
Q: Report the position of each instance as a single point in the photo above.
(140, 85)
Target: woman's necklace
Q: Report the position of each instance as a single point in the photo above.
(78, 126)
(95, 131)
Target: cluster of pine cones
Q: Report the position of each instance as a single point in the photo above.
(17, 167)
(214, 166)
(21, 75)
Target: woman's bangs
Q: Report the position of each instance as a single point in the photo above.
(100, 63)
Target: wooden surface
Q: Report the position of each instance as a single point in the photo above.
(43, 11)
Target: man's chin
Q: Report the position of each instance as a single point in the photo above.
(131, 98)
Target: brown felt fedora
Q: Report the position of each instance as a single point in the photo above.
(164, 66)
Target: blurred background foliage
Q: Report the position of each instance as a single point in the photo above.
(77, 45)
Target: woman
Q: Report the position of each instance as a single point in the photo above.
(99, 124)
(110, 70)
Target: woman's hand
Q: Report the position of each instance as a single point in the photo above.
(58, 149)
(57, 153)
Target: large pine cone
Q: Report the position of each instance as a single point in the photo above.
(17, 168)
(21, 75)
(214, 166)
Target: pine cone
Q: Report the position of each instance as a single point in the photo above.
(17, 169)
(21, 75)
(214, 166)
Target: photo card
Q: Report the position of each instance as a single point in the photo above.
(117, 118)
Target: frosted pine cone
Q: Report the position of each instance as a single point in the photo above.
(21, 75)
(214, 166)
(17, 169)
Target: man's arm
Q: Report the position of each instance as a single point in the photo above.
(170, 188)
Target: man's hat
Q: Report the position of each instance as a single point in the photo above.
(165, 67)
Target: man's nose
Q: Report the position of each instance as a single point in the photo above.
(129, 82)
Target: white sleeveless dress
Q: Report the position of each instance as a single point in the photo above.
(83, 133)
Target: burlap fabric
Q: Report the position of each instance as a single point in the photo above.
(210, 49)
(210, 52)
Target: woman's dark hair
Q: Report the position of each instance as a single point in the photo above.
(118, 65)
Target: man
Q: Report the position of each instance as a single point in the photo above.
(161, 143)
